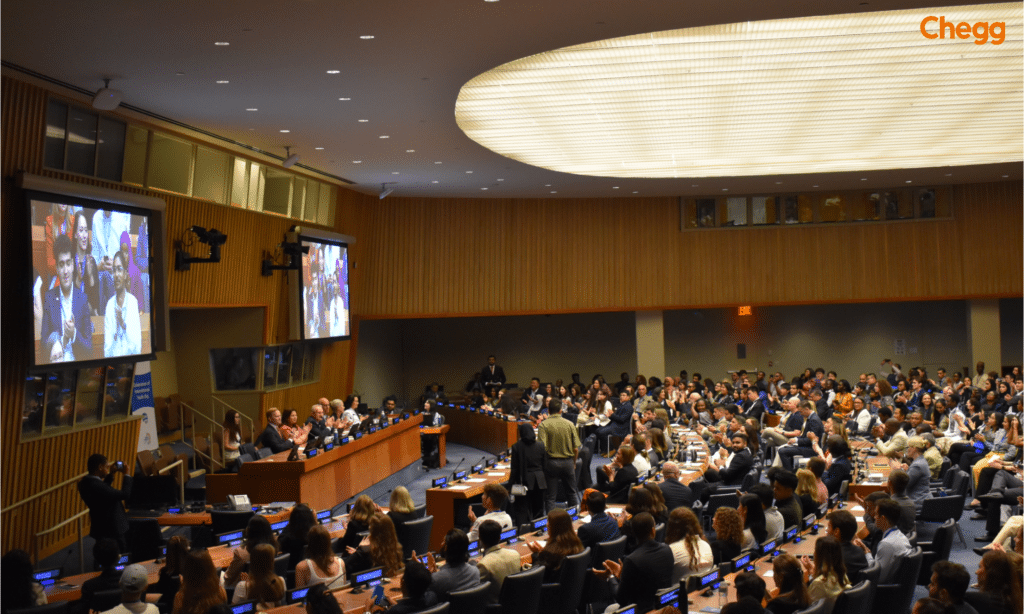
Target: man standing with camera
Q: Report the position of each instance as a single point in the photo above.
(106, 510)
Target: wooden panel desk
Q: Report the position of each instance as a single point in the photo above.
(485, 432)
(441, 432)
(441, 501)
(324, 480)
(194, 519)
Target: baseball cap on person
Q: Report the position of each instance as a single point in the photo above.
(134, 579)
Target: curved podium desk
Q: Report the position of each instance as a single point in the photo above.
(328, 478)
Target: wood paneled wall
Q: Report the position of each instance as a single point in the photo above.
(426, 257)
(34, 466)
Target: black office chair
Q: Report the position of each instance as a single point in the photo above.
(145, 538)
(818, 607)
(898, 596)
(441, 608)
(659, 532)
(520, 593)
(728, 499)
(870, 573)
(224, 521)
(937, 549)
(101, 601)
(564, 597)
(611, 550)
(281, 568)
(264, 452)
(855, 600)
(420, 510)
(941, 509)
(470, 601)
(752, 477)
(416, 534)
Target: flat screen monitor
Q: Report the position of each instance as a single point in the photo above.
(278, 526)
(323, 289)
(668, 597)
(297, 595)
(371, 577)
(91, 281)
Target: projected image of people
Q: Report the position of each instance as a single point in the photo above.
(122, 332)
(97, 292)
(325, 300)
(67, 324)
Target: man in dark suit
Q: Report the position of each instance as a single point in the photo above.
(620, 420)
(493, 376)
(271, 437)
(732, 464)
(676, 493)
(66, 333)
(646, 570)
(106, 512)
(801, 445)
(820, 405)
(616, 477)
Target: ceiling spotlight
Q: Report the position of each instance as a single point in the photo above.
(333, 72)
(107, 99)
(222, 44)
(385, 190)
(366, 37)
(292, 159)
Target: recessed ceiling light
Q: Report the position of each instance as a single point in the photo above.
(909, 181)
(384, 136)
(344, 99)
(394, 173)
(180, 74)
(863, 178)
(437, 162)
(223, 81)
(778, 183)
(554, 191)
(222, 44)
(693, 186)
(635, 192)
(490, 0)
(363, 121)
(725, 189)
(333, 72)
(615, 187)
(318, 148)
(501, 180)
(286, 131)
(469, 172)
(410, 151)
(547, 185)
(366, 37)
(1005, 176)
(483, 188)
(949, 174)
(814, 186)
(433, 182)
(357, 161)
(252, 109)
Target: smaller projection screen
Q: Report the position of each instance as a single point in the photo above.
(324, 300)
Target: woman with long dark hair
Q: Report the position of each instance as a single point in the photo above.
(321, 565)
(827, 573)
(20, 590)
(998, 584)
(293, 536)
(257, 532)
(526, 468)
(200, 584)
(231, 437)
(690, 549)
(379, 549)
(754, 524)
(169, 581)
(260, 584)
(86, 274)
(562, 542)
(792, 590)
(728, 535)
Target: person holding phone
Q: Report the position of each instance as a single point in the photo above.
(106, 510)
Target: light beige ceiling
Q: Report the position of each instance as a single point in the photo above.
(405, 81)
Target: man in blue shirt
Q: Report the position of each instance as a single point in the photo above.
(894, 546)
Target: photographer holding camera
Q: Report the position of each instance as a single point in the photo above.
(106, 510)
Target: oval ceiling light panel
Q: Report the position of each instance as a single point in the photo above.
(839, 93)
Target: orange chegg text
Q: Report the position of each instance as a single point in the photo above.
(981, 30)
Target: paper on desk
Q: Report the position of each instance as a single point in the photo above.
(495, 474)
(541, 542)
(502, 466)
(475, 479)
(856, 508)
(459, 487)
(585, 518)
(615, 510)
(768, 574)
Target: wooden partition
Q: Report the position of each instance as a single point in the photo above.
(34, 466)
(450, 257)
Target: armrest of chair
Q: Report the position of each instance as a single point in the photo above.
(926, 546)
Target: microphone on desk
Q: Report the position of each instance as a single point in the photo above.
(482, 459)
(456, 470)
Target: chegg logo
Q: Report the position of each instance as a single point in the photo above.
(981, 30)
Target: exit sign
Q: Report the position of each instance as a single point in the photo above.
(745, 310)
